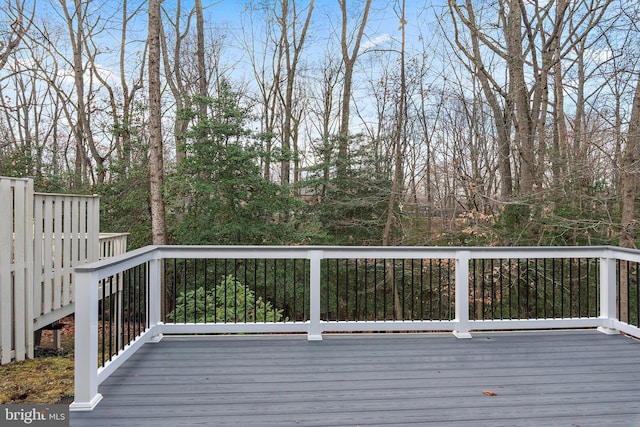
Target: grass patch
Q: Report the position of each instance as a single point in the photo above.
(44, 380)
(47, 379)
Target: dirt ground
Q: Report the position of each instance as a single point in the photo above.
(46, 379)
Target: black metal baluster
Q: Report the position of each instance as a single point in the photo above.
(284, 285)
(587, 293)
(440, 290)
(628, 319)
(146, 295)
(327, 286)
(536, 293)
(375, 288)
(275, 288)
(413, 295)
(483, 286)
(130, 309)
(306, 284)
(526, 292)
(195, 290)
(449, 293)
(637, 311)
(356, 317)
(431, 305)
(118, 308)
(422, 301)
(112, 315)
(255, 291)
(500, 286)
(579, 289)
(104, 314)
(553, 287)
(544, 288)
(224, 289)
(235, 291)
(245, 287)
(337, 289)
(384, 289)
(295, 294)
(511, 287)
(142, 300)
(205, 286)
(562, 288)
(571, 286)
(346, 290)
(265, 290)
(404, 291)
(215, 291)
(365, 313)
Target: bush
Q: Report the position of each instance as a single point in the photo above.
(229, 301)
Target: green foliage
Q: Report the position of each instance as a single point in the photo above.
(124, 205)
(229, 301)
(352, 208)
(20, 162)
(353, 211)
(218, 194)
(16, 163)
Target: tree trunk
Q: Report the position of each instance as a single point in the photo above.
(202, 71)
(398, 175)
(292, 61)
(349, 62)
(156, 166)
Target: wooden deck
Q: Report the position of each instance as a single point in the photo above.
(560, 378)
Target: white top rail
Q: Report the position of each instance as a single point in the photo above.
(378, 252)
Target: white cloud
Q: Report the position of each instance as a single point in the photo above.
(376, 41)
(67, 74)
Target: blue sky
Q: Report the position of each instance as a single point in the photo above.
(383, 21)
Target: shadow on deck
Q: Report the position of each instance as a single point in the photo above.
(561, 378)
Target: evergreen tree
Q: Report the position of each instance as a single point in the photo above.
(218, 194)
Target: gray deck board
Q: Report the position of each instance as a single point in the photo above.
(559, 378)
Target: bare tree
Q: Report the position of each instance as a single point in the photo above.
(323, 116)
(348, 60)
(630, 171)
(203, 86)
(275, 47)
(398, 155)
(121, 100)
(18, 23)
(174, 74)
(266, 58)
(81, 32)
(156, 163)
(537, 38)
(292, 45)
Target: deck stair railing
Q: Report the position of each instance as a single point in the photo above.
(43, 236)
(140, 296)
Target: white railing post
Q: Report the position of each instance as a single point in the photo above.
(608, 311)
(315, 332)
(86, 343)
(462, 294)
(155, 296)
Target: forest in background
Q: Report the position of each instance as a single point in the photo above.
(507, 122)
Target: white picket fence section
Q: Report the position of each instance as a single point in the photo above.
(42, 238)
(16, 260)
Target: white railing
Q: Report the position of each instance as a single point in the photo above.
(16, 269)
(42, 238)
(91, 278)
(112, 244)
(65, 229)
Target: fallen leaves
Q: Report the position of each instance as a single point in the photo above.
(489, 393)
